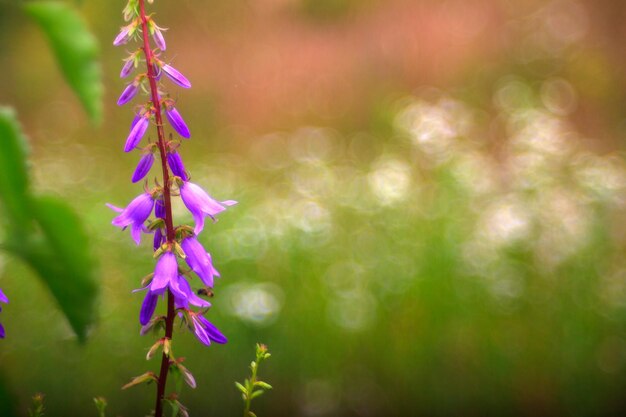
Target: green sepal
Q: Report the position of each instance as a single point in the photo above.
(148, 377)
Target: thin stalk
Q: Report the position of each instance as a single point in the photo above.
(169, 225)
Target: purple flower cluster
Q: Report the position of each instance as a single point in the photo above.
(170, 246)
(4, 299)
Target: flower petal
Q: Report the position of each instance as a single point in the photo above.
(147, 308)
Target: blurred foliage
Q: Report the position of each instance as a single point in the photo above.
(58, 247)
(76, 51)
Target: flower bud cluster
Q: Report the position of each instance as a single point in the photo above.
(172, 245)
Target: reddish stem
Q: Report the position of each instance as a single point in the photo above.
(169, 226)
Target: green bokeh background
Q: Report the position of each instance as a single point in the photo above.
(430, 217)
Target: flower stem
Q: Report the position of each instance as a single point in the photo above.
(169, 225)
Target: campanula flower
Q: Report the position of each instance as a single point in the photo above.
(134, 215)
(186, 295)
(136, 133)
(157, 35)
(175, 75)
(199, 260)
(129, 93)
(128, 67)
(125, 34)
(165, 274)
(143, 167)
(177, 122)
(200, 204)
(176, 165)
(206, 331)
(147, 308)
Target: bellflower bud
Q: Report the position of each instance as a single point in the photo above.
(129, 93)
(143, 167)
(125, 34)
(177, 122)
(128, 67)
(136, 133)
(176, 77)
(176, 165)
(147, 308)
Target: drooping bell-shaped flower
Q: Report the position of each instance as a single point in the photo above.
(175, 75)
(134, 215)
(176, 165)
(136, 133)
(129, 93)
(143, 167)
(165, 274)
(199, 260)
(206, 331)
(186, 296)
(177, 122)
(200, 204)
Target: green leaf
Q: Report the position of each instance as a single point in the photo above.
(62, 259)
(14, 178)
(76, 51)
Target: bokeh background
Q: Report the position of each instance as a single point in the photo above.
(431, 214)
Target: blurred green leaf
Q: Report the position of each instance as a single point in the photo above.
(7, 400)
(76, 51)
(14, 178)
(61, 258)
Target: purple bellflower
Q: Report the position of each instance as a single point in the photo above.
(128, 67)
(143, 167)
(187, 296)
(157, 35)
(129, 93)
(165, 274)
(177, 122)
(176, 165)
(147, 307)
(199, 260)
(159, 212)
(175, 75)
(134, 215)
(205, 331)
(3, 299)
(136, 133)
(200, 204)
(125, 34)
